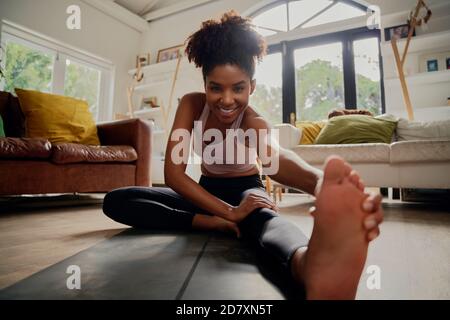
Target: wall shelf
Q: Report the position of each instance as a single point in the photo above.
(422, 78)
(147, 112)
(151, 85)
(419, 43)
(426, 89)
(161, 68)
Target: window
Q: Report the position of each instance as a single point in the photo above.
(34, 62)
(27, 68)
(323, 71)
(319, 81)
(283, 16)
(367, 69)
(83, 82)
(336, 12)
(267, 98)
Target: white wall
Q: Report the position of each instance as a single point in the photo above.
(100, 34)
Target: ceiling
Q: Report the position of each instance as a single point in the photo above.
(143, 7)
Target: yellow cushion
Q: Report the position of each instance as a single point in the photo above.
(310, 130)
(57, 118)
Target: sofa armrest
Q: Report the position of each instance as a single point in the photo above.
(289, 135)
(132, 132)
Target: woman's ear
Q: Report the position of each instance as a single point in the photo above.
(252, 86)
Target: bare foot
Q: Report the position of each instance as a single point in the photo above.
(333, 263)
(371, 204)
(227, 226)
(205, 222)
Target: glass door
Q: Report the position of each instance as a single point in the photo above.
(267, 98)
(319, 81)
(368, 75)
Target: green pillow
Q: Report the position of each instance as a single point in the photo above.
(2, 132)
(351, 129)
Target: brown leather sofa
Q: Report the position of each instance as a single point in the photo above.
(36, 166)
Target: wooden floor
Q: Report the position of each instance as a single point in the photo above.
(412, 253)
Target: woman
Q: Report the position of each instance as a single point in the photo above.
(230, 196)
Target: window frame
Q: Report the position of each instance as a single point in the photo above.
(287, 48)
(61, 52)
(270, 4)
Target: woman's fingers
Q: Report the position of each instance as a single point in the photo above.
(260, 204)
(269, 203)
(257, 197)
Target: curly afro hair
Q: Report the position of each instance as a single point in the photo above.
(232, 40)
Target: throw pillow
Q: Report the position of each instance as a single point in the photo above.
(2, 132)
(416, 130)
(343, 112)
(310, 130)
(57, 118)
(356, 129)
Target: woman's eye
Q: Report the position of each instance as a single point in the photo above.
(215, 89)
(238, 89)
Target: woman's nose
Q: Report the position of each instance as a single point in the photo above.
(227, 99)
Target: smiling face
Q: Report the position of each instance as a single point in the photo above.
(228, 89)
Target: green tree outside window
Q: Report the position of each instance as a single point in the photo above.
(27, 68)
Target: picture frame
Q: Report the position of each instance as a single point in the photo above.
(448, 63)
(150, 102)
(400, 32)
(169, 53)
(432, 65)
(143, 60)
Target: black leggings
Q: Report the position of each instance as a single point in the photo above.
(163, 208)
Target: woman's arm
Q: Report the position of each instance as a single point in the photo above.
(296, 173)
(292, 170)
(174, 174)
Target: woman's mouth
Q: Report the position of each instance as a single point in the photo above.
(227, 111)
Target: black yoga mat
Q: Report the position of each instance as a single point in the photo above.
(138, 264)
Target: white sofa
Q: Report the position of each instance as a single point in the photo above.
(402, 164)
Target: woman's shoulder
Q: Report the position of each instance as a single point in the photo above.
(194, 101)
(252, 119)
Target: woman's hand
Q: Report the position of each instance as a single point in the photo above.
(251, 202)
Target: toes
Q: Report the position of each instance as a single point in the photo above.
(354, 178)
(361, 186)
(372, 203)
(237, 231)
(335, 169)
(373, 234)
(373, 221)
(377, 201)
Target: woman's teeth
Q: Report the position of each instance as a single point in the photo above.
(227, 110)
